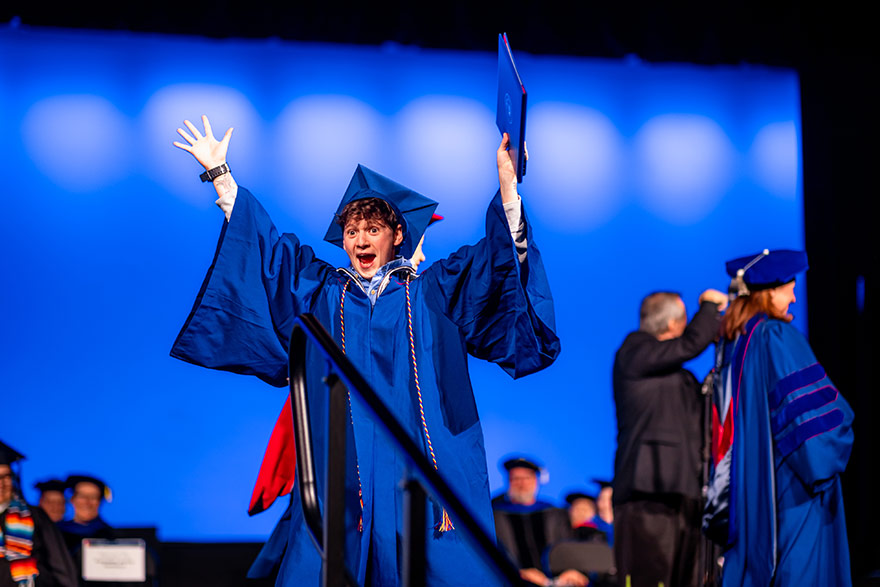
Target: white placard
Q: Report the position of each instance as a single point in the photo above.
(114, 560)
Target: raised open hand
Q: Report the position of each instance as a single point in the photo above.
(206, 149)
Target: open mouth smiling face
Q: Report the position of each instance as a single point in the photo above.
(370, 244)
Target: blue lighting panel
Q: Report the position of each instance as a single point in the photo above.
(641, 177)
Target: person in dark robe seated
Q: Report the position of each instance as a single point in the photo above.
(32, 552)
(52, 498)
(581, 508)
(583, 514)
(88, 493)
(526, 526)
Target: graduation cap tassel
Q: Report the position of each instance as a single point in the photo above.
(350, 415)
(738, 285)
(445, 523)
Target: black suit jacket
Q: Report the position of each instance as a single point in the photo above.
(659, 411)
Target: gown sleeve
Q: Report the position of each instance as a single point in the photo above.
(810, 421)
(503, 308)
(256, 285)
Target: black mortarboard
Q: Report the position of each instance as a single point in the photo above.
(765, 270)
(9, 455)
(576, 495)
(414, 211)
(51, 485)
(521, 462)
(603, 483)
(72, 480)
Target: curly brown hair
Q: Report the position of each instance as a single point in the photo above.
(746, 307)
(370, 209)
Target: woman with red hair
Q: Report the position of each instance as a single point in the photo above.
(782, 435)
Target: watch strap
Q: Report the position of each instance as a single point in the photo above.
(212, 174)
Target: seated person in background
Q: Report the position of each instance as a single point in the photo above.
(88, 493)
(581, 508)
(526, 526)
(52, 498)
(32, 552)
(585, 522)
(604, 519)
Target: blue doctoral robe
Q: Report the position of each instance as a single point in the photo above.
(480, 300)
(792, 438)
(605, 527)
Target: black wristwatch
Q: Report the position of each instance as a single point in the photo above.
(214, 173)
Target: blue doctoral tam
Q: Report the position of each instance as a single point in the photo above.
(768, 269)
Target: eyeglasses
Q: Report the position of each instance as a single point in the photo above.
(86, 497)
(5, 477)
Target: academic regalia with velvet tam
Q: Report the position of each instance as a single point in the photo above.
(479, 301)
(782, 435)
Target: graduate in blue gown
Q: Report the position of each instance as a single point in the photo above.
(782, 436)
(408, 336)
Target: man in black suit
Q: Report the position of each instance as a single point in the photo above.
(657, 468)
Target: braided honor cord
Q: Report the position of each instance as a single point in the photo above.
(445, 524)
(350, 416)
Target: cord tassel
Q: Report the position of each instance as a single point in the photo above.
(445, 524)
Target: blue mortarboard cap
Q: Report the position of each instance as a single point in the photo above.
(413, 210)
(766, 269)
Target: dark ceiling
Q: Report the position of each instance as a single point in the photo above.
(788, 34)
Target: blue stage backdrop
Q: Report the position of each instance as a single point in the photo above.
(641, 177)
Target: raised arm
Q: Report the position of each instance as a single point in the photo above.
(651, 356)
(501, 303)
(507, 172)
(510, 199)
(211, 153)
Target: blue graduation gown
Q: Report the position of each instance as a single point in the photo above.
(479, 301)
(792, 438)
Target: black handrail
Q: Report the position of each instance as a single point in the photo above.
(329, 533)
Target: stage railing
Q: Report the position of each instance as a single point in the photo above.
(328, 531)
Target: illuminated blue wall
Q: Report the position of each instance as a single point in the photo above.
(641, 177)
